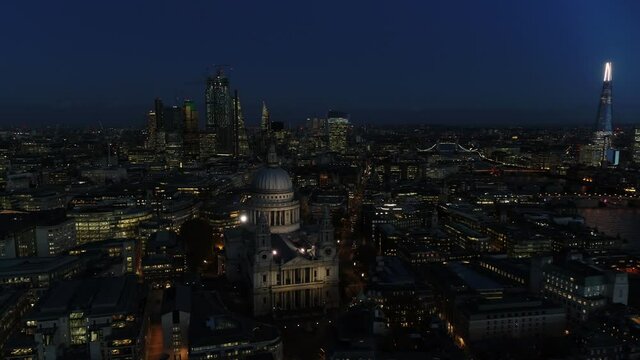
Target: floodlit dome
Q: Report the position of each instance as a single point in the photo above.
(272, 197)
(272, 180)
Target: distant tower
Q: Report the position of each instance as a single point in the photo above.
(337, 129)
(265, 121)
(272, 157)
(190, 117)
(605, 109)
(636, 145)
(240, 131)
(159, 111)
(190, 129)
(152, 128)
(604, 125)
(219, 110)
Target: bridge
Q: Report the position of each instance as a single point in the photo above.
(448, 147)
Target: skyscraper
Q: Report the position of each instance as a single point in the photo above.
(152, 129)
(159, 111)
(265, 121)
(173, 119)
(219, 112)
(604, 126)
(636, 145)
(337, 128)
(190, 117)
(190, 130)
(240, 137)
(605, 109)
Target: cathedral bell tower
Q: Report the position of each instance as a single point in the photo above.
(326, 243)
(263, 250)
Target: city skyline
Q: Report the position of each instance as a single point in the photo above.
(492, 63)
(320, 180)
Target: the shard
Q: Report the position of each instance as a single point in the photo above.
(605, 109)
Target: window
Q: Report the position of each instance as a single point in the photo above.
(328, 272)
(264, 278)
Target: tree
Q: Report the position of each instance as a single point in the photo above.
(197, 235)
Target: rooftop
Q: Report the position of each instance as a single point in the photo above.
(95, 296)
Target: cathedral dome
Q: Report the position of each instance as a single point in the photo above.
(272, 180)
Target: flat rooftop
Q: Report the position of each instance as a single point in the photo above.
(95, 296)
(472, 278)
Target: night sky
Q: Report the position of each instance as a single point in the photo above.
(461, 62)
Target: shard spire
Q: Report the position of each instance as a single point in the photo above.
(604, 121)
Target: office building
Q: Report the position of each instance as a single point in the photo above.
(403, 299)
(190, 134)
(512, 318)
(102, 223)
(173, 118)
(55, 236)
(99, 318)
(158, 110)
(207, 145)
(152, 130)
(219, 108)
(190, 117)
(241, 142)
(265, 120)
(636, 145)
(14, 303)
(35, 272)
(196, 325)
(164, 261)
(17, 239)
(583, 288)
(117, 256)
(337, 130)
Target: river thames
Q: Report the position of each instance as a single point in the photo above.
(624, 221)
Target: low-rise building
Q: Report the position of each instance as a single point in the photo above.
(99, 318)
(13, 305)
(55, 236)
(102, 223)
(583, 288)
(196, 325)
(164, 261)
(510, 318)
(40, 272)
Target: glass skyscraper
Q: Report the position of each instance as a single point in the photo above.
(220, 112)
(337, 128)
(604, 124)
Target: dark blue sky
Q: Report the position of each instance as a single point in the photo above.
(464, 61)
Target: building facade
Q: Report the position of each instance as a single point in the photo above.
(219, 111)
(288, 268)
(337, 127)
